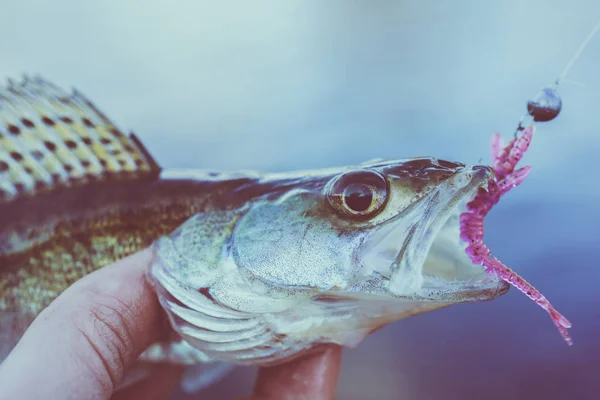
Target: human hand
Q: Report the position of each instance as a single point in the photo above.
(81, 346)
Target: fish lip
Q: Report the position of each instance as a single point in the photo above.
(463, 186)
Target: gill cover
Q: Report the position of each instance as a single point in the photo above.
(296, 242)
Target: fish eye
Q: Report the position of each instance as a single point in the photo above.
(359, 194)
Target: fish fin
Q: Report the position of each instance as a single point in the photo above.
(201, 371)
(12, 327)
(194, 379)
(137, 372)
(201, 376)
(51, 139)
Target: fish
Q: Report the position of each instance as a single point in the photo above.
(251, 268)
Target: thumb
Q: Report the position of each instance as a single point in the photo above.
(80, 346)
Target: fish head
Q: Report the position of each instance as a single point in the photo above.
(388, 229)
(381, 238)
(330, 256)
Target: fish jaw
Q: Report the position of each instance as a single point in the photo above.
(419, 257)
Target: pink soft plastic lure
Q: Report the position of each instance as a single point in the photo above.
(505, 178)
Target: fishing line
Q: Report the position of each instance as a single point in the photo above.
(582, 47)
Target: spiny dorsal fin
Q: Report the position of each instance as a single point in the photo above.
(51, 139)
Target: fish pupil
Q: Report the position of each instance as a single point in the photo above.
(358, 197)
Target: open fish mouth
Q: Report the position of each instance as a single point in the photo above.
(430, 264)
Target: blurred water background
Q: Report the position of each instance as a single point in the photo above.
(282, 85)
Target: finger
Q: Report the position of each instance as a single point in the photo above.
(314, 376)
(80, 345)
(157, 386)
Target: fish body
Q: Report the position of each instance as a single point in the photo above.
(250, 268)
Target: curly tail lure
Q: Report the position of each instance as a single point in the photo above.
(471, 221)
(545, 107)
